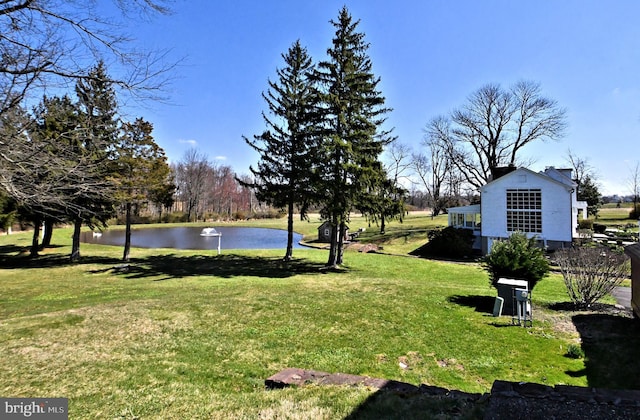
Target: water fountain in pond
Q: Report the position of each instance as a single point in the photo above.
(212, 232)
(189, 237)
(209, 232)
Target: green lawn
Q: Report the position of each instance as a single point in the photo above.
(614, 216)
(186, 334)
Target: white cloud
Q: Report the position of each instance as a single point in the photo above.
(220, 158)
(189, 142)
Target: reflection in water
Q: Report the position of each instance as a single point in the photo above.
(190, 238)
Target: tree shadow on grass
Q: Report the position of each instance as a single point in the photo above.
(418, 252)
(10, 249)
(168, 266)
(610, 343)
(391, 399)
(480, 303)
(173, 266)
(48, 260)
(424, 402)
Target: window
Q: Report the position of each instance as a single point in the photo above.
(524, 210)
(464, 220)
(472, 221)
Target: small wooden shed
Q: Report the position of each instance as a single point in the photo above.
(324, 232)
(633, 251)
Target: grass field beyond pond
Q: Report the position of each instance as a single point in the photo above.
(184, 334)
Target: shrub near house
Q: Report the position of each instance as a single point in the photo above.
(449, 242)
(516, 257)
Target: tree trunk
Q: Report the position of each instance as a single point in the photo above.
(47, 234)
(75, 246)
(340, 247)
(127, 234)
(333, 246)
(382, 225)
(289, 253)
(189, 210)
(36, 235)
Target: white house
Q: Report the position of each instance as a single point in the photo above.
(543, 205)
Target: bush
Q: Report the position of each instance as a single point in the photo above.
(585, 224)
(135, 220)
(6, 220)
(239, 215)
(517, 257)
(574, 351)
(591, 273)
(211, 216)
(449, 242)
(175, 217)
(599, 228)
(635, 212)
(584, 238)
(270, 214)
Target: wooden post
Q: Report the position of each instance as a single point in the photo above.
(633, 251)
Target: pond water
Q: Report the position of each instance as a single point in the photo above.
(189, 238)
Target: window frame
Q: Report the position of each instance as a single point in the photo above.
(524, 210)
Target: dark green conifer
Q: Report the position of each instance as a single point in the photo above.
(140, 169)
(353, 114)
(285, 173)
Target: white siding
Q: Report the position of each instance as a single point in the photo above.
(557, 217)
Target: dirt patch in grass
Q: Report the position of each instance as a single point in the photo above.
(561, 316)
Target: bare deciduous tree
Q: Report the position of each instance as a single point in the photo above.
(491, 129)
(398, 161)
(204, 187)
(634, 185)
(191, 179)
(586, 177)
(434, 169)
(581, 167)
(47, 43)
(49, 170)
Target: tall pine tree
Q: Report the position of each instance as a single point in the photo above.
(98, 115)
(353, 113)
(284, 176)
(141, 168)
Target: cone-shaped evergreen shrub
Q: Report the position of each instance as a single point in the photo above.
(517, 257)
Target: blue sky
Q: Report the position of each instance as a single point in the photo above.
(430, 55)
